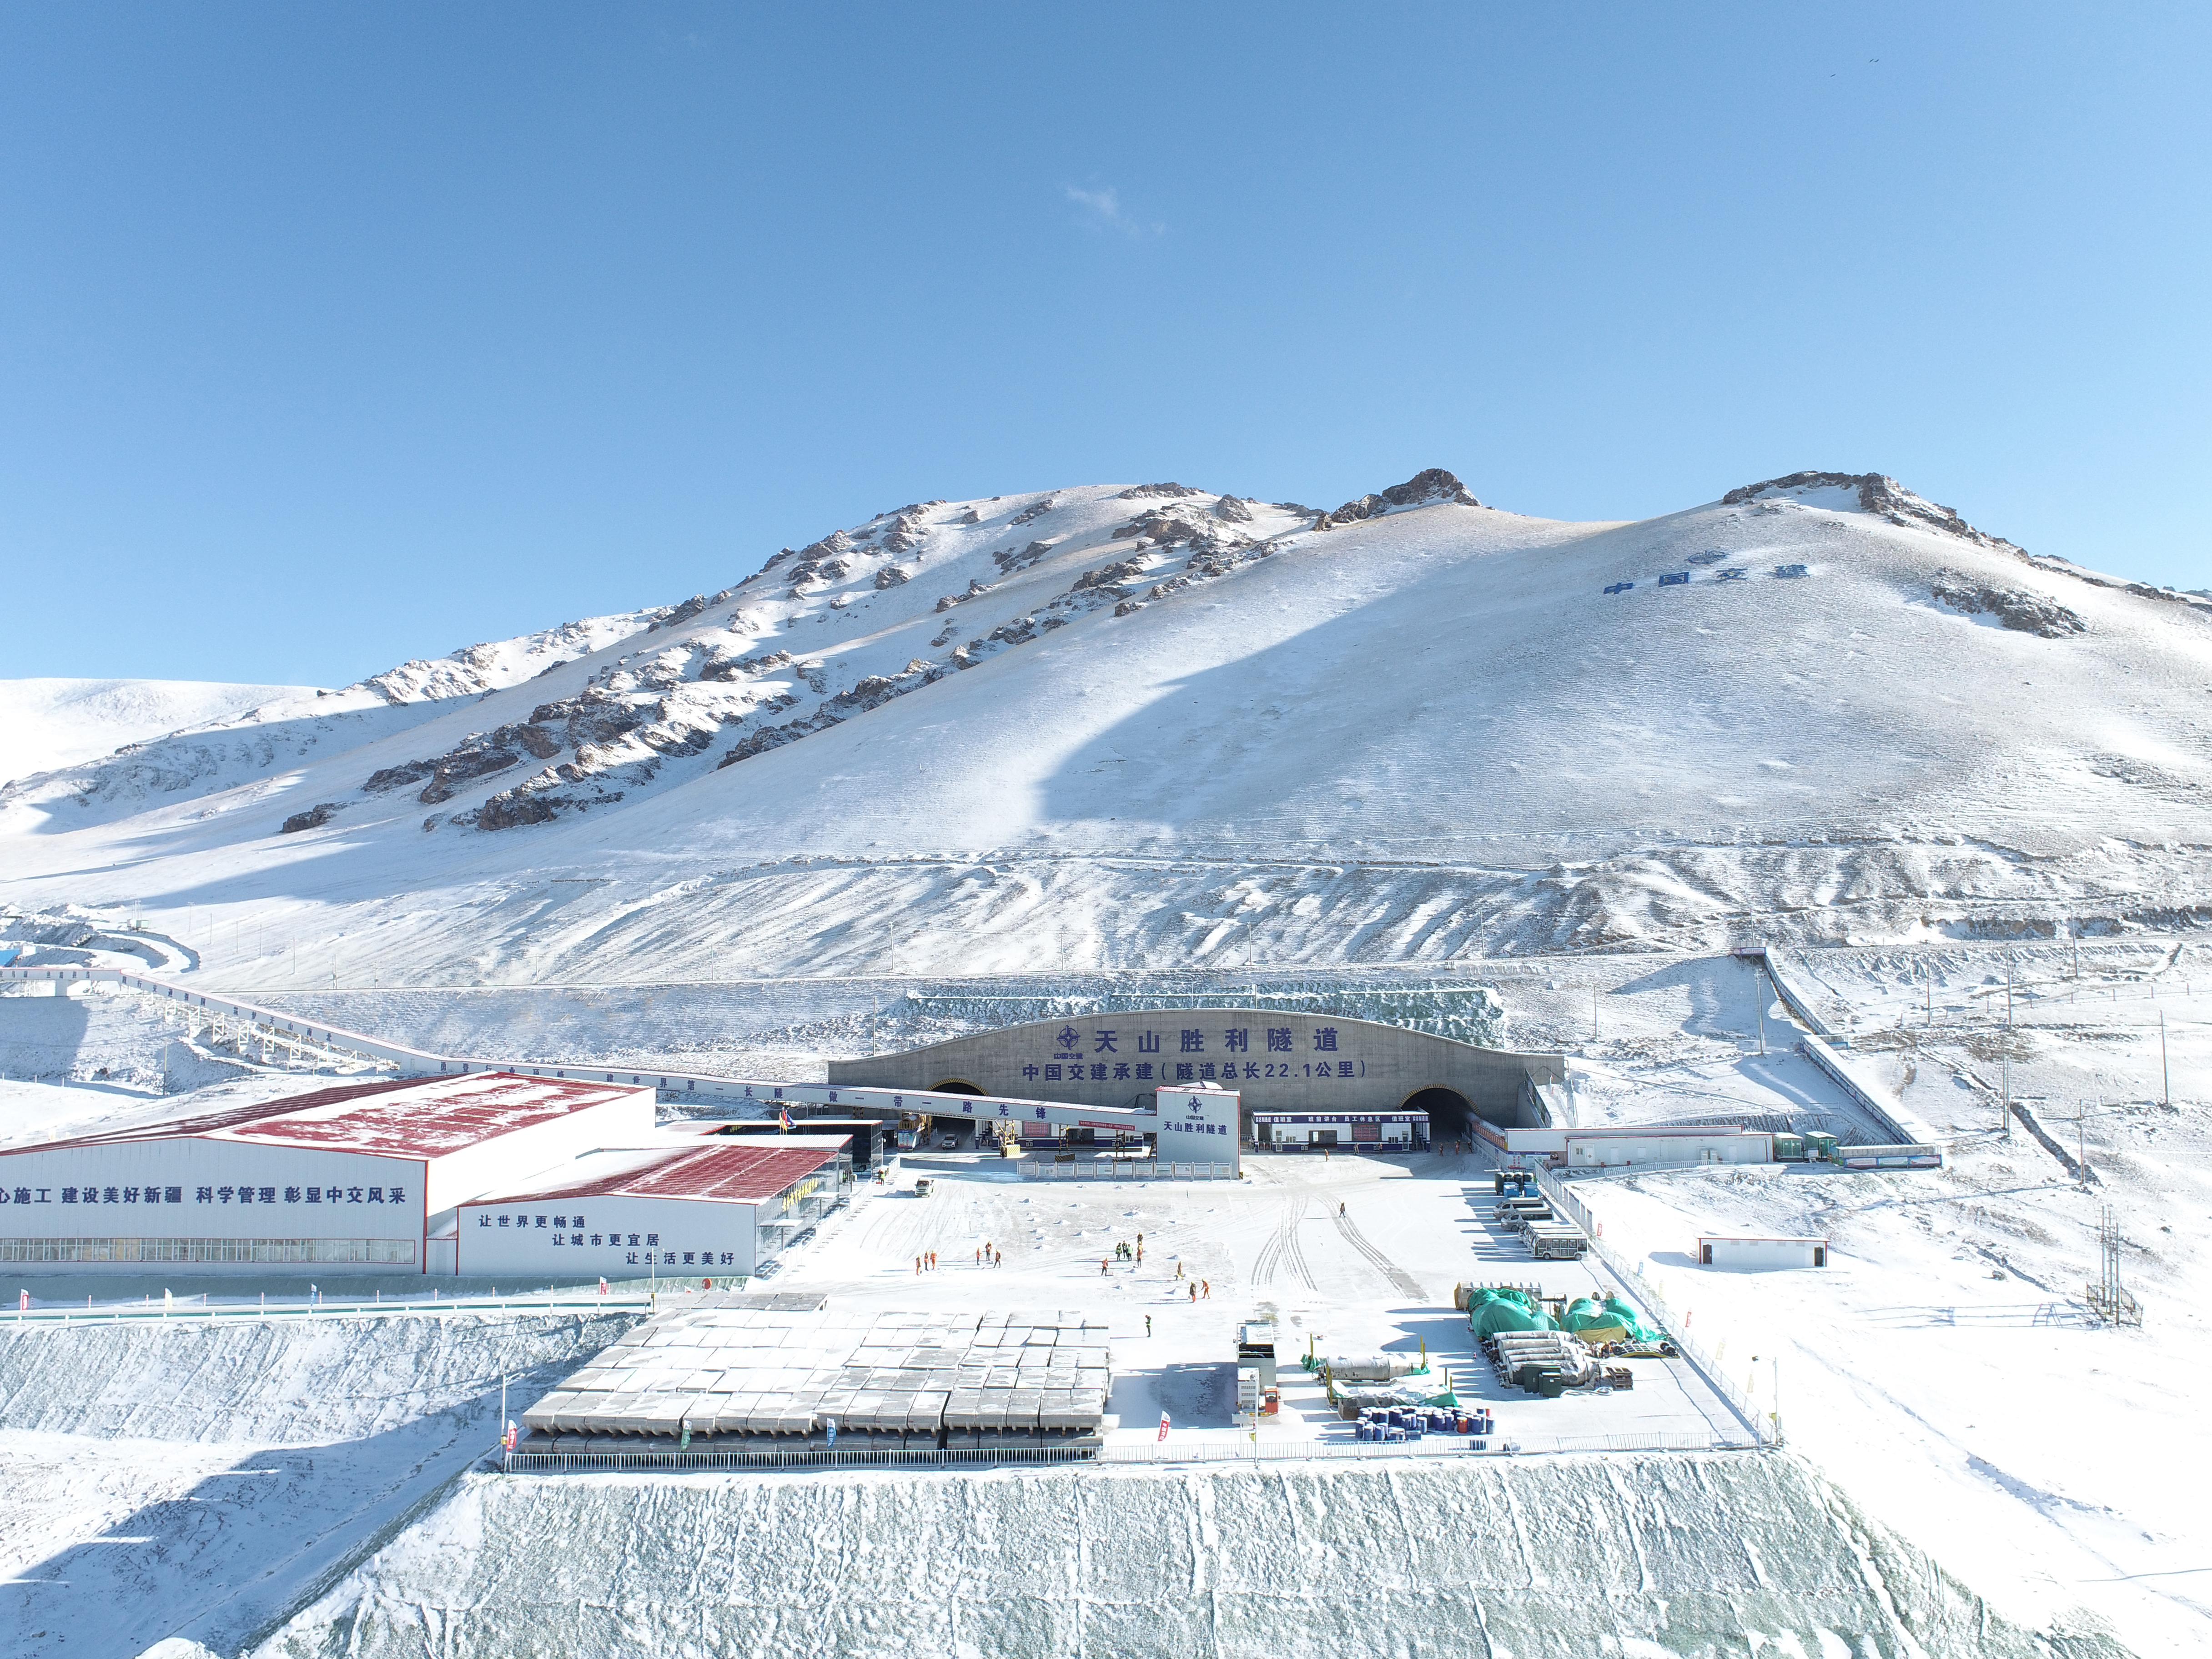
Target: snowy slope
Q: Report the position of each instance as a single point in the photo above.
(228, 736)
(49, 723)
(1126, 726)
(1534, 1560)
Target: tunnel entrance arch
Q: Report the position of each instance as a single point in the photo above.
(960, 1128)
(1452, 1115)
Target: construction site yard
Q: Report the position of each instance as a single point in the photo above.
(1348, 1255)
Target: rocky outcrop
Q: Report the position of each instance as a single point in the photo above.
(975, 590)
(872, 691)
(1367, 507)
(907, 526)
(479, 757)
(510, 810)
(1427, 487)
(1009, 561)
(1162, 529)
(313, 818)
(1110, 576)
(768, 737)
(1141, 492)
(594, 714)
(1034, 511)
(1430, 488)
(675, 615)
(397, 777)
(464, 766)
(745, 668)
(891, 576)
(2016, 608)
(638, 738)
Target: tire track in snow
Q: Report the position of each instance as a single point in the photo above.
(1400, 1280)
(1282, 1248)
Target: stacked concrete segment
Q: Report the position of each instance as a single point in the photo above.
(772, 1372)
(1032, 1372)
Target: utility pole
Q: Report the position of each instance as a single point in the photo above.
(2004, 1107)
(1593, 1013)
(1761, 1010)
(2007, 990)
(2165, 1076)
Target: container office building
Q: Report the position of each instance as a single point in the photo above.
(1359, 1132)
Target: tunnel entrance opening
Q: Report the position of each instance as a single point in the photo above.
(1451, 1116)
(954, 1085)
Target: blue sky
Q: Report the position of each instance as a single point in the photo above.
(332, 335)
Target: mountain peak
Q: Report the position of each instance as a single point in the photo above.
(1430, 488)
(1874, 492)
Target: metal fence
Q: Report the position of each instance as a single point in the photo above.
(1132, 1171)
(670, 1461)
(1763, 1430)
(1901, 1157)
(155, 1313)
(1292, 1451)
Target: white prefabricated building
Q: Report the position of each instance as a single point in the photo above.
(1346, 1130)
(1632, 1144)
(726, 1206)
(1717, 1250)
(362, 1177)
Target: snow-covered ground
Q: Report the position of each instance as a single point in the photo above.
(1542, 1559)
(195, 1482)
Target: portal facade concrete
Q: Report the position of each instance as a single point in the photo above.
(1286, 1062)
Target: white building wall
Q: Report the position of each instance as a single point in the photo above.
(1761, 1253)
(1620, 1151)
(208, 1189)
(608, 1236)
(1197, 1125)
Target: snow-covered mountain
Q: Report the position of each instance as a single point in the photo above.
(1154, 725)
(49, 723)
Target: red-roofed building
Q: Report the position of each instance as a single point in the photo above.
(364, 1177)
(721, 1208)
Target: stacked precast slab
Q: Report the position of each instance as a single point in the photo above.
(902, 1378)
(1032, 1374)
